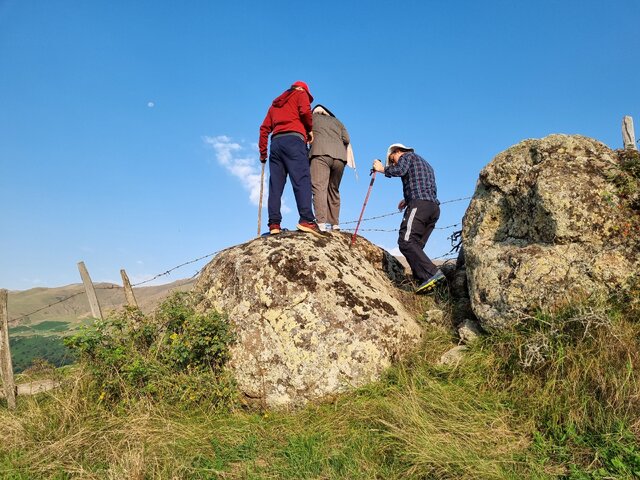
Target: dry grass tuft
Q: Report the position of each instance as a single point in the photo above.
(444, 432)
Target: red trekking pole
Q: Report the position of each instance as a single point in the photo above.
(366, 199)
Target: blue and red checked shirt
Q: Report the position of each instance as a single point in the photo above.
(418, 178)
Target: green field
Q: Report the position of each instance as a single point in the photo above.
(48, 326)
(24, 350)
(52, 326)
(20, 329)
(41, 341)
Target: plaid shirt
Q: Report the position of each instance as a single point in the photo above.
(418, 179)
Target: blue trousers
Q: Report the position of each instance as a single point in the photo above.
(288, 156)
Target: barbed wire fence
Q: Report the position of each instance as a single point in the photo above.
(447, 255)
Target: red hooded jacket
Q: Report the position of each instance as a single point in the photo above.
(290, 112)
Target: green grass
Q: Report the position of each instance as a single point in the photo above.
(572, 413)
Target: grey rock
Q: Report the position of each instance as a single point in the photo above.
(469, 331)
(454, 356)
(312, 316)
(542, 230)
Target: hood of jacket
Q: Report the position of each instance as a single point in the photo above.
(282, 99)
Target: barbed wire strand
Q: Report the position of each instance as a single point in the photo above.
(399, 211)
(46, 306)
(175, 268)
(394, 229)
(114, 286)
(168, 272)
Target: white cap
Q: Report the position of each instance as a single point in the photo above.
(396, 146)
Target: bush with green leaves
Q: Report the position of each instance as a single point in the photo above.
(178, 355)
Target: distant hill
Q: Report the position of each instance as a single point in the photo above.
(76, 309)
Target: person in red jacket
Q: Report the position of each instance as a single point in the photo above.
(289, 122)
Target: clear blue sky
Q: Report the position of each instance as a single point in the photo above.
(128, 130)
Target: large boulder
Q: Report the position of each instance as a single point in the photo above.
(313, 317)
(545, 227)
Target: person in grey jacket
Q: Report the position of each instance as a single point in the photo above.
(330, 152)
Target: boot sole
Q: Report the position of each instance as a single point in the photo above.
(309, 230)
(428, 287)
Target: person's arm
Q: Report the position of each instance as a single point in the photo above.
(304, 111)
(345, 135)
(265, 130)
(399, 169)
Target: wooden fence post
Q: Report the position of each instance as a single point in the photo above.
(91, 292)
(5, 352)
(628, 135)
(128, 291)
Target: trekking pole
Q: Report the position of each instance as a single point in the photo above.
(260, 201)
(366, 199)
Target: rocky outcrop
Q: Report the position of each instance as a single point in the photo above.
(312, 316)
(544, 228)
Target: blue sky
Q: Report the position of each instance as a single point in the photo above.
(128, 130)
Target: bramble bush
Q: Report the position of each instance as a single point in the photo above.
(176, 355)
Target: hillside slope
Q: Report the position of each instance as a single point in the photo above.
(75, 309)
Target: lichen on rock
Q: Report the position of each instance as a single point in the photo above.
(312, 316)
(543, 229)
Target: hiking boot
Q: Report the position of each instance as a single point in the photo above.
(274, 228)
(430, 284)
(322, 227)
(311, 227)
(335, 228)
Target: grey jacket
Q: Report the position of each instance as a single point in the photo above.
(329, 137)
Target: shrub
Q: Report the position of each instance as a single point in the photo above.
(176, 355)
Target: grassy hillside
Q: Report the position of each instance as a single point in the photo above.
(40, 336)
(77, 308)
(557, 397)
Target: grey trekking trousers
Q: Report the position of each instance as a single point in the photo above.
(326, 175)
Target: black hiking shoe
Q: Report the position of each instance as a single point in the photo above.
(430, 284)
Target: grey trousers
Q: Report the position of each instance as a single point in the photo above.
(326, 175)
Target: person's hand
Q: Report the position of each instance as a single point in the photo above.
(402, 205)
(310, 137)
(377, 166)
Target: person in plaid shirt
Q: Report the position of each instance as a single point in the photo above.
(422, 210)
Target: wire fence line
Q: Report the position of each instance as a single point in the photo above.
(168, 272)
(396, 229)
(397, 212)
(114, 286)
(175, 268)
(69, 297)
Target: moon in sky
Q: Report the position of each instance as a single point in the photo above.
(151, 104)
